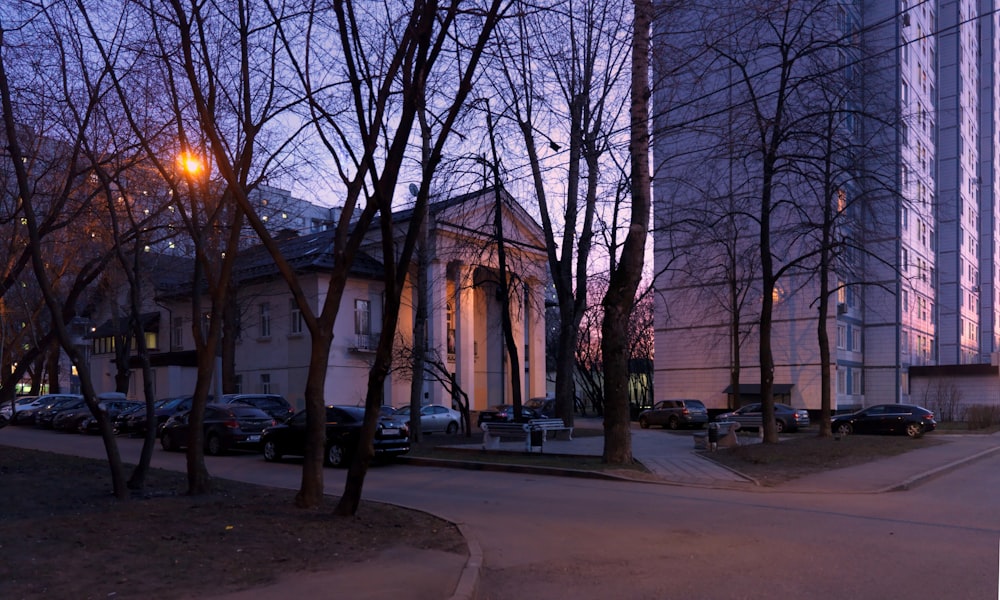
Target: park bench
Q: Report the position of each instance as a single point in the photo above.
(492, 432)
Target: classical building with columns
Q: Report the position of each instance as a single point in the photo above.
(464, 313)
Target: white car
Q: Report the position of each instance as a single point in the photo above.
(434, 418)
(21, 403)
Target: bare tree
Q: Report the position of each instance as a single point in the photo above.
(561, 71)
(626, 271)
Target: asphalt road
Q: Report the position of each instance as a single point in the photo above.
(579, 538)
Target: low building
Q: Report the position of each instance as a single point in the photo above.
(272, 348)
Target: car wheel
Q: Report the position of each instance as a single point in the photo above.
(674, 423)
(271, 453)
(452, 428)
(914, 430)
(643, 422)
(213, 445)
(335, 456)
(844, 429)
(779, 425)
(167, 442)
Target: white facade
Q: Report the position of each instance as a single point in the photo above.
(273, 347)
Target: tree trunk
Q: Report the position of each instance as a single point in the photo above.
(310, 494)
(624, 282)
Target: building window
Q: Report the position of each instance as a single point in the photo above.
(177, 333)
(265, 320)
(294, 318)
(841, 380)
(363, 322)
(856, 339)
(265, 383)
(856, 388)
(842, 336)
(238, 383)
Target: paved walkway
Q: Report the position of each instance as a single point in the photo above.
(672, 458)
(670, 455)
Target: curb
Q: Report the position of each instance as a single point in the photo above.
(468, 581)
(917, 480)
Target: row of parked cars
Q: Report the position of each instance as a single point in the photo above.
(257, 422)
(907, 419)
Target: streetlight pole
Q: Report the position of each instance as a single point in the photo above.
(194, 168)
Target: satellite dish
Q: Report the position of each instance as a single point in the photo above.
(414, 190)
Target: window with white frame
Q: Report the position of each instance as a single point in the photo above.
(856, 339)
(856, 388)
(294, 318)
(841, 380)
(841, 336)
(264, 324)
(363, 322)
(177, 333)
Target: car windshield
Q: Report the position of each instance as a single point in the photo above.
(172, 402)
(354, 413)
(266, 403)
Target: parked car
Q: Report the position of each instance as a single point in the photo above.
(786, 418)
(343, 430)
(134, 422)
(503, 413)
(543, 407)
(226, 426)
(888, 419)
(113, 408)
(26, 416)
(45, 415)
(273, 404)
(434, 418)
(69, 420)
(674, 414)
(20, 403)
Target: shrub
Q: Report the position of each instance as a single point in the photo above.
(982, 416)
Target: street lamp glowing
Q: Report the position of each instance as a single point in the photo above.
(191, 164)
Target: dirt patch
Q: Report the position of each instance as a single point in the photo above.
(771, 464)
(64, 536)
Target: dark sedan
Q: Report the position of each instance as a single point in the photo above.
(134, 422)
(226, 426)
(786, 418)
(343, 430)
(887, 419)
(273, 404)
(503, 413)
(29, 416)
(88, 424)
(44, 417)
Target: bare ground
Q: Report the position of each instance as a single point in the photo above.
(63, 536)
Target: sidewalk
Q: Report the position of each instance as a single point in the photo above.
(671, 458)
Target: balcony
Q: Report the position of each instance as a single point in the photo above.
(365, 343)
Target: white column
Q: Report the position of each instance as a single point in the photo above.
(465, 334)
(437, 325)
(536, 336)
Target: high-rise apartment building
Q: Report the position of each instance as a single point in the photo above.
(851, 142)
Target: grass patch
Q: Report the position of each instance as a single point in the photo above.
(507, 457)
(771, 464)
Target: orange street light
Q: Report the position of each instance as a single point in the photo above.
(190, 163)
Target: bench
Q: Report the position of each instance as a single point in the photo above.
(492, 432)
